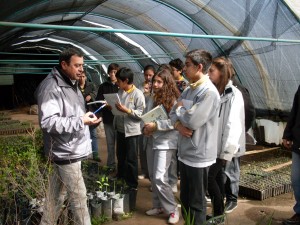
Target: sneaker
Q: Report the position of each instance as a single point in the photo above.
(230, 206)
(174, 188)
(154, 211)
(207, 198)
(218, 220)
(111, 170)
(174, 217)
(141, 177)
(294, 220)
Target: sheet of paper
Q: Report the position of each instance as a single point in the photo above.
(96, 102)
(157, 113)
(111, 100)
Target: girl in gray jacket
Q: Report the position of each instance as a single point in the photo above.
(161, 145)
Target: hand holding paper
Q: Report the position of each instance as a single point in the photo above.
(122, 108)
(148, 129)
(157, 113)
(112, 100)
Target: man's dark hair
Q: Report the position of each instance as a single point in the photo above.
(200, 56)
(177, 63)
(125, 73)
(67, 53)
(112, 66)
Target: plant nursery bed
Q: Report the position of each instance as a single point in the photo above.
(264, 188)
(265, 175)
(265, 185)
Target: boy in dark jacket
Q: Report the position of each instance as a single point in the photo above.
(109, 87)
(291, 140)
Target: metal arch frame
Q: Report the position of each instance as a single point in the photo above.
(129, 25)
(290, 9)
(112, 44)
(96, 14)
(113, 19)
(189, 18)
(133, 59)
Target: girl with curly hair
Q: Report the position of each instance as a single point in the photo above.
(161, 145)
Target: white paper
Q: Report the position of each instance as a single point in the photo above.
(111, 100)
(96, 102)
(157, 113)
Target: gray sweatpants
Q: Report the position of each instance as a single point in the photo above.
(158, 165)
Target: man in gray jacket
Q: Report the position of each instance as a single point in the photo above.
(196, 118)
(64, 123)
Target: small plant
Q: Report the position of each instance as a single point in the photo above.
(103, 183)
(127, 215)
(99, 220)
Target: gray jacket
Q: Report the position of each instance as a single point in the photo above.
(165, 137)
(135, 101)
(200, 115)
(61, 108)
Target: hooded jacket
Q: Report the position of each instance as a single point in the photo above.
(231, 135)
(61, 107)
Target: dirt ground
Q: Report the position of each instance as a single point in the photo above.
(270, 211)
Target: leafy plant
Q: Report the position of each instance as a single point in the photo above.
(23, 173)
(99, 220)
(103, 182)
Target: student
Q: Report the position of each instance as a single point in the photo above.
(128, 126)
(195, 116)
(149, 72)
(161, 146)
(109, 87)
(64, 123)
(231, 138)
(291, 141)
(89, 92)
(176, 70)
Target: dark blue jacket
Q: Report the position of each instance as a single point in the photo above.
(292, 129)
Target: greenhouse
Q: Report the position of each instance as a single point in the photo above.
(260, 37)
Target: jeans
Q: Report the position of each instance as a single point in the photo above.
(158, 164)
(127, 159)
(216, 187)
(66, 181)
(232, 171)
(193, 187)
(111, 135)
(295, 176)
(143, 156)
(94, 137)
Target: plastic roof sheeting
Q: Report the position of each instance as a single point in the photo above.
(268, 69)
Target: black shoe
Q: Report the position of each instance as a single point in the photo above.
(230, 206)
(97, 159)
(294, 220)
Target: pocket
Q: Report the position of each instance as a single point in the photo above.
(187, 143)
